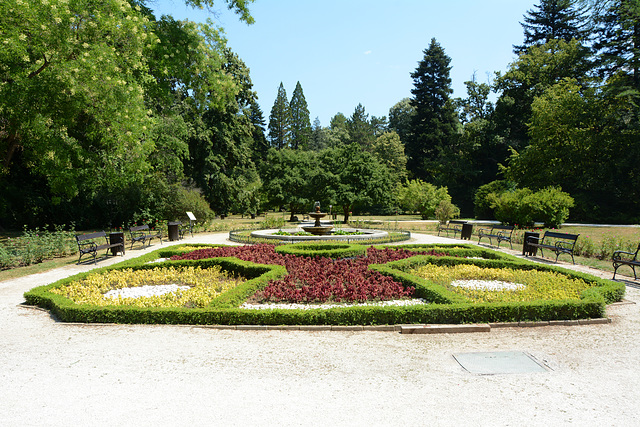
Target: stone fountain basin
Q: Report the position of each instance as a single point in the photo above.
(368, 234)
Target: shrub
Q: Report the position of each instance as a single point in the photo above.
(422, 197)
(523, 206)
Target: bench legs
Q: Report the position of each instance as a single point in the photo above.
(618, 265)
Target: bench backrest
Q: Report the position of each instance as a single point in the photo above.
(503, 227)
(561, 236)
(139, 228)
(90, 236)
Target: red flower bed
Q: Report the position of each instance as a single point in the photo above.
(320, 279)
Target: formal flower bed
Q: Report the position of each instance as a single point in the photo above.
(319, 279)
(501, 284)
(451, 282)
(181, 287)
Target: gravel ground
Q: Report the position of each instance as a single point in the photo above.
(55, 374)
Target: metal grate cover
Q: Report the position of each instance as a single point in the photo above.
(500, 362)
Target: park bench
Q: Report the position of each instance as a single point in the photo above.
(454, 225)
(560, 243)
(621, 258)
(502, 233)
(141, 233)
(88, 245)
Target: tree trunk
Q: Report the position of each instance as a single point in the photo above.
(345, 210)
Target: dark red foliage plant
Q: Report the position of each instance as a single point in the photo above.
(318, 280)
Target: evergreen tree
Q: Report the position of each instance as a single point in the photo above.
(300, 123)
(618, 42)
(319, 140)
(434, 123)
(260, 143)
(553, 19)
(360, 130)
(280, 121)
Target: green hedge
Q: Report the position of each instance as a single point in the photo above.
(445, 307)
(327, 250)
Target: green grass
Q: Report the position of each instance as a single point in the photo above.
(600, 236)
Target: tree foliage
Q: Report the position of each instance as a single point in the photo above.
(280, 121)
(434, 124)
(300, 122)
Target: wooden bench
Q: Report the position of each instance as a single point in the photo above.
(140, 233)
(502, 233)
(560, 243)
(453, 225)
(87, 245)
(631, 260)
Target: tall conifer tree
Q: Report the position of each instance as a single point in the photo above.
(280, 121)
(300, 122)
(553, 19)
(433, 126)
(618, 42)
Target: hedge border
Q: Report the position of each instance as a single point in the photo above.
(447, 307)
(327, 250)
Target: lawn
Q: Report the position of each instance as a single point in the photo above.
(594, 247)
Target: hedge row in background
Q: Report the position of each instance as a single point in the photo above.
(445, 307)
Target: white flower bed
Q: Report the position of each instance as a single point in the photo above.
(286, 306)
(488, 285)
(144, 291)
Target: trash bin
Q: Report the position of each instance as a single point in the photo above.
(526, 249)
(467, 230)
(174, 230)
(116, 237)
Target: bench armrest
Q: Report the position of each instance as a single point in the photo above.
(617, 254)
(561, 244)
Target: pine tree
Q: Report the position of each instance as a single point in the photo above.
(280, 121)
(553, 19)
(300, 122)
(433, 126)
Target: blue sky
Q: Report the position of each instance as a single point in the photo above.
(350, 52)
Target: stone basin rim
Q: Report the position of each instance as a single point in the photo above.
(369, 234)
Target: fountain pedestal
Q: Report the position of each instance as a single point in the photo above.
(317, 228)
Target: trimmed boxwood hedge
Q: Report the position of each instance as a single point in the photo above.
(327, 250)
(445, 307)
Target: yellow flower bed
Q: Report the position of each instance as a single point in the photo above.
(538, 285)
(204, 286)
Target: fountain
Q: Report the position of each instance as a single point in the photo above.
(317, 229)
(317, 232)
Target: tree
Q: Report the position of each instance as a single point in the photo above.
(529, 76)
(423, 197)
(360, 130)
(291, 179)
(280, 121)
(579, 141)
(553, 19)
(400, 119)
(338, 133)
(353, 178)
(434, 124)
(389, 151)
(260, 143)
(319, 138)
(618, 43)
(300, 124)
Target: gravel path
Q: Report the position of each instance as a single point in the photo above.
(55, 374)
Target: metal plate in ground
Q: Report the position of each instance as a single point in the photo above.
(500, 362)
